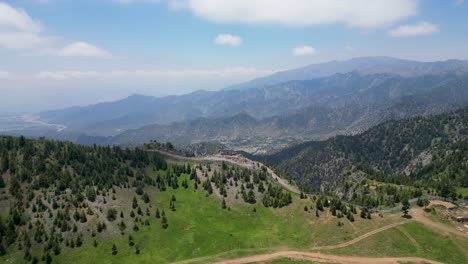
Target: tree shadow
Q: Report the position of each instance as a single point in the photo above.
(407, 216)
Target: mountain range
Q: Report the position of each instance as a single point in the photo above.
(315, 102)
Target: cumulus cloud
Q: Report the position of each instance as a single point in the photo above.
(228, 39)
(419, 29)
(304, 50)
(82, 49)
(356, 13)
(18, 30)
(16, 19)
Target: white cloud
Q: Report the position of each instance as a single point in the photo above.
(16, 19)
(233, 72)
(304, 50)
(420, 29)
(82, 49)
(459, 2)
(228, 39)
(356, 13)
(349, 48)
(65, 75)
(18, 30)
(4, 75)
(23, 40)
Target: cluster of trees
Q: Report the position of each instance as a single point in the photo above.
(52, 185)
(276, 196)
(336, 206)
(382, 194)
(248, 185)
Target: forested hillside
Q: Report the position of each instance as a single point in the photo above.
(424, 151)
(57, 195)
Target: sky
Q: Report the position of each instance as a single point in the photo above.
(59, 53)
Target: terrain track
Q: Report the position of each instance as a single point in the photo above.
(357, 239)
(364, 236)
(418, 216)
(319, 257)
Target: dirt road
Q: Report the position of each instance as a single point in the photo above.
(319, 257)
(419, 215)
(235, 160)
(357, 239)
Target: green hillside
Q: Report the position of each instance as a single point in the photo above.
(429, 152)
(63, 203)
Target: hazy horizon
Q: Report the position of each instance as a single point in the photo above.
(61, 53)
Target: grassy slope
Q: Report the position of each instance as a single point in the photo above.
(200, 228)
(463, 191)
(395, 243)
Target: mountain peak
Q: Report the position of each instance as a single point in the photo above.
(362, 65)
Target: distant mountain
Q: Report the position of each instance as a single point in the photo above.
(426, 151)
(134, 111)
(314, 102)
(261, 101)
(315, 109)
(363, 66)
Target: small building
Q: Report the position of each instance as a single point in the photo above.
(460, 218)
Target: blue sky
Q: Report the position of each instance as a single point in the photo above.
(62, 52)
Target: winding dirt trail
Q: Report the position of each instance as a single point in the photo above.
(302, 255)
(417, 214)
(235, 160)
(319, 257)
(359, 238)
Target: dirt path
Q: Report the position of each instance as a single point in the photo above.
(419, 215)
(366, 235)
(235, 160)
(324, 258)
(357, 239)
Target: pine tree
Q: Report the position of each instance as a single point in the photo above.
(251, 197)
(114, 249)
(405, 206)
(157, 213)
(164, 223)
